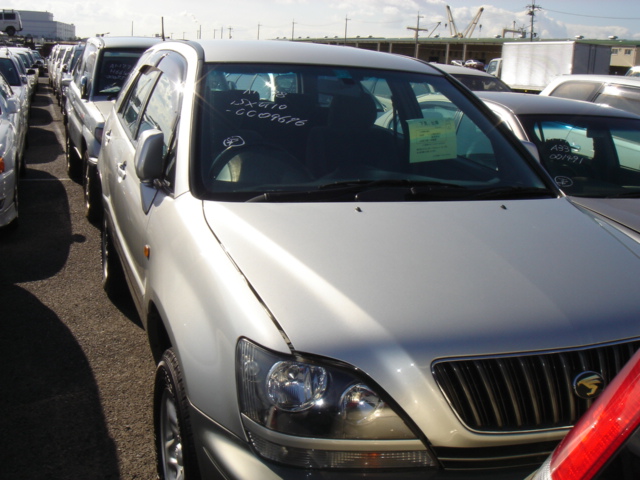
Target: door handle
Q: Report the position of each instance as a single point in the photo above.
(122, 171)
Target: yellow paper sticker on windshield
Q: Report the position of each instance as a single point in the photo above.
(432, 139)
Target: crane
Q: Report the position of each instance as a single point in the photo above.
(452, 24)
(470, 28)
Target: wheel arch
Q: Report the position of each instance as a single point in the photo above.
(157, 333)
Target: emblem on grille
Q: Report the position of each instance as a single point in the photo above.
(588, 385)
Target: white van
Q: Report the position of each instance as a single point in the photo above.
(10, 22)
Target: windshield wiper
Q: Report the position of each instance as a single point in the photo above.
(362, 190)
(511, 192)
(632, 194)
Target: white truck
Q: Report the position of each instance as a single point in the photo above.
(530, 66)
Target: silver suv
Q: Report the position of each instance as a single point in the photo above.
(96, 82)
(331, 297)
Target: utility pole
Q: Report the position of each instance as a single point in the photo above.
(293, 25)
(230, 29)
(258, 31)
(417, 31)
(532, 12)
(345, 28)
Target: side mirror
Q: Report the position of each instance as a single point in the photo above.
(13, 105)
(31, 71)
(83, 87)
(148, 156)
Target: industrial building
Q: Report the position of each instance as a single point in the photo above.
(42, 27)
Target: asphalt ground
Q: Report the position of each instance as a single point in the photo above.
(76, 374)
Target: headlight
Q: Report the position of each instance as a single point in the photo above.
(319, 415)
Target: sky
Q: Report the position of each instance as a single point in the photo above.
(270, 19)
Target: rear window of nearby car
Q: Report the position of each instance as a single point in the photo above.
(114, 68)
(620, 96)
(480, 83)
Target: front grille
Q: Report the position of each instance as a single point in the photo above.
(526, 392)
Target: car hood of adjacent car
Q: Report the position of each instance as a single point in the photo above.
(435, 278)
(104, 107)
(625, 211)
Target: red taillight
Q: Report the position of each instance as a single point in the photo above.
(602, 429)
(1, 165)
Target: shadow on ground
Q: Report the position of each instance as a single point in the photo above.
(50, 403)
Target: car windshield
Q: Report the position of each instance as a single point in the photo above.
(315, 133)
(589, 156)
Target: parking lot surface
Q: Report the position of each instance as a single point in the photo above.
(77, 374)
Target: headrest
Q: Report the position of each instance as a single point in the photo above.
(352, 112)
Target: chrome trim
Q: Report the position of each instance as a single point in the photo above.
(527, 392)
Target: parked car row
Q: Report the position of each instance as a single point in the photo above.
(348, 262)
(19, 70)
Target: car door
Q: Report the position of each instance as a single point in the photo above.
(152, 102)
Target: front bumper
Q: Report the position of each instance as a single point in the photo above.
(221, 453)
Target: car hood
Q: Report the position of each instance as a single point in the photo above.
(625, 211)
(434, 279)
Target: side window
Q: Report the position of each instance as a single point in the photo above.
(163, 109)
(132, 107)
(627, 143)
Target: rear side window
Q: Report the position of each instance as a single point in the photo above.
(576, 90)
(624, 98)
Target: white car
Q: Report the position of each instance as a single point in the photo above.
(616, 91)
(10, 69)
(10, 156)
(330, 298)
(101, 70)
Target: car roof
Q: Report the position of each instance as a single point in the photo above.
(532, 104)
(124, 42)
(275, 51)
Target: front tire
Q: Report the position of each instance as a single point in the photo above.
(175, 453)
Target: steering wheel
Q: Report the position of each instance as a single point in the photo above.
(266, 162)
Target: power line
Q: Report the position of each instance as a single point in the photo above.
(591, 16)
